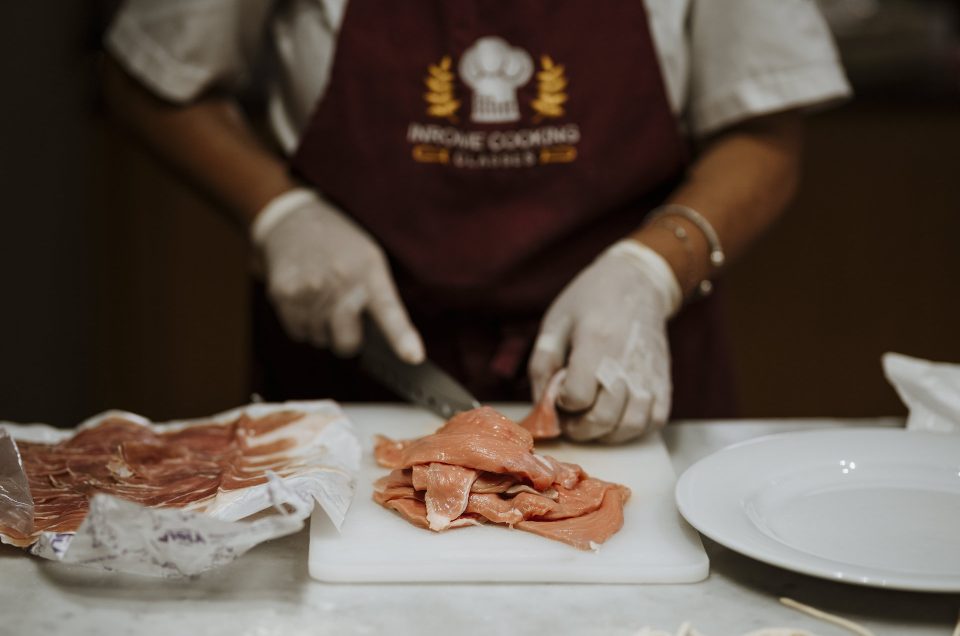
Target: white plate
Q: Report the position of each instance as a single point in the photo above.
(878, 507)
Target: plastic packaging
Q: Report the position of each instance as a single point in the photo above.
(121, 535)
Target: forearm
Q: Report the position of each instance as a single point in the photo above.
(740, 183)
(207, 142)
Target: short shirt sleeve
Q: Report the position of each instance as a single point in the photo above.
(754, 57)
(181, 48)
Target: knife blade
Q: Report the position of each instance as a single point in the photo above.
(424, 384)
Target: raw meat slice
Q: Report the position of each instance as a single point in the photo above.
(549, 493)
(543, 421)
(479, 452)
(383, 493)
(387, 452)
(494, 508)
(467, 519)
(490, 482)
(487, 421)
(447, 491)
(485, 483)
(583, 498)
(415, 511)
(507, 484)
(567, 475)
(588, 531)
(481, 466)
(418, 476)
(533, 505)
(396, 484)
(509, 511)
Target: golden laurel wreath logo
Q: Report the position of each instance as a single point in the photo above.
(440, 98)
(551, 81)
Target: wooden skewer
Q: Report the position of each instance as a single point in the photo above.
(830, 618)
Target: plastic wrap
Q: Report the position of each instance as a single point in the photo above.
(16, 505)
(124, 536)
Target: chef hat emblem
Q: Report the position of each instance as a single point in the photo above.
(495, 70)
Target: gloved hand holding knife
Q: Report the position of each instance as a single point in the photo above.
(607, 327)
(324, 271)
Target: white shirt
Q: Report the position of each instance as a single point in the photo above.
(723, 61)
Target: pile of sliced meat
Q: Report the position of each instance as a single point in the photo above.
(181, 468)
(480, 467)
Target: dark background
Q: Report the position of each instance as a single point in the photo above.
(121, 289)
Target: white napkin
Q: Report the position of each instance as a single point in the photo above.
(931, 390)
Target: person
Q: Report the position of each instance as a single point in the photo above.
(512, 188)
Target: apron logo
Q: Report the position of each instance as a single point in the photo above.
(551, 81)
(494, 71)
(441, 101)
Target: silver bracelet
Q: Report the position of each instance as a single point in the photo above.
(717, 257)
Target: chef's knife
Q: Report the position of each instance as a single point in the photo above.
(425, 384)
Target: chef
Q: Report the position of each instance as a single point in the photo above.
(512, 188)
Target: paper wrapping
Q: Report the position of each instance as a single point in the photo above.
(121, 535)
(931, 390)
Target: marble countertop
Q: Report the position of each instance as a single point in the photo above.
(268, 591)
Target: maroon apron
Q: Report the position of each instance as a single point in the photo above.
(494, 150)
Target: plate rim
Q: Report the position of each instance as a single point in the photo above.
(853, 574)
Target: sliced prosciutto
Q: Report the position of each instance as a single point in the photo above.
(185, 468)
(481, 467)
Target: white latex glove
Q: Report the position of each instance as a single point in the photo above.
(608, 327)
(323, 271)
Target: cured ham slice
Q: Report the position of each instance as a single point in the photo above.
(185, 468)
(543, 422)
(481, 466)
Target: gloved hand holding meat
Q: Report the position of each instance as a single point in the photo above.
(608, 329)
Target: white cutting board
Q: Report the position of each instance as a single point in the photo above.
(375, 545)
